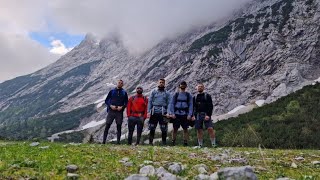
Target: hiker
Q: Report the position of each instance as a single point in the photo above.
(182, 108)
(158, 108)
(116, 102)
(202, 110)
(137, 113)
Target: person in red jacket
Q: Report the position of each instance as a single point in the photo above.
(137, 113)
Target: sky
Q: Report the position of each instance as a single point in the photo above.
(35, 33)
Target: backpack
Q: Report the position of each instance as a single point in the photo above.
(144, 99)
(176, 100)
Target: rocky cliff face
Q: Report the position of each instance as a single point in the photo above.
(268, 50)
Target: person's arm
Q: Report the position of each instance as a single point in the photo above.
(146, 109)
(150, 102)
(168, 103)
(129, 107)
(107, 100)
(194, 105)
(125, 101)
(209, 105)
(190, 105)
(172, 103)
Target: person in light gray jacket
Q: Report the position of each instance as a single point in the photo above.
(158, 111)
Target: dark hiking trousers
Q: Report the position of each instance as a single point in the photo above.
(113, 115)
(132, 122)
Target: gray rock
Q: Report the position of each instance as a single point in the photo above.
(163, 174)
(201, 168)
(202, 177)
(315, 162)
(230, 173)
(137, 177)
(125, 159)
(214, 176)
(72, 176)
(238, 160)
(34, 144)
(44, 147)
(300, 158)
(175, 168)
(147, 170)
(130, 163)
(72, 168)
(284, 178)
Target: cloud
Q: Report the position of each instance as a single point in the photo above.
(19, 55)
(59, 48)
(141, 24)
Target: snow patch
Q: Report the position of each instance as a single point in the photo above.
(93, 124)
(260, 102)
(236, 109)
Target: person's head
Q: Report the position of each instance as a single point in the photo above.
(161, 83)
(120, 84)
(139, 90)
(183, 85)
(200, 87)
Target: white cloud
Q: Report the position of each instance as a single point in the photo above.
(59, 48)
(19, 55)
(141, 24)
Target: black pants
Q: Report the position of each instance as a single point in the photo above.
(113, 115)
(132, 122)
(153, 122)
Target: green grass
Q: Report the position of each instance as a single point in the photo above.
(96, 161)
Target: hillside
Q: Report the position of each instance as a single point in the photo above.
(95, 161)
(292, 121)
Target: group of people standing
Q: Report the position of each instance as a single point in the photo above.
(180, 109)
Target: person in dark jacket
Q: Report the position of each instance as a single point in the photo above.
(116, 101)
(137, 113)
(202, 110)
(181, 109)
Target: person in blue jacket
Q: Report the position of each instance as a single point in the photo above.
(116, 101)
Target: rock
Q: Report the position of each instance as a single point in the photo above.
(299, 158)
(244, 172)
(192, 155)
(137, 177)
(284, 178)
(238, 160)
(294, 165)
(72, 176)
(202, 177)
(130, 163)
(163, 174)
(315, 162)
(125, 159)
(175, 168)
(214, 176)
(201, 168)
(34, 144)
(44, 147)
(147, 170)
(72, 168)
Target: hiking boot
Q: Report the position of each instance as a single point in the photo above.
(214, 145)
(164, 143)
(173, 143)
(185, 143)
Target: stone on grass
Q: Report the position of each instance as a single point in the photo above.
(72, 168)
(147, 170)
(137, 177)
(34, 144)
(243, 172)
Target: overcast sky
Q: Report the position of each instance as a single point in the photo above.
(34, 33)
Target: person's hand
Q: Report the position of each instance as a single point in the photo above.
(168, 116)
(113, 107)
(193, 118)
(119, 108)
(148, 115)
(173, 116)
(206, 118)
(189, 118)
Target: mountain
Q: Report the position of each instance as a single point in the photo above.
(267, 50)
